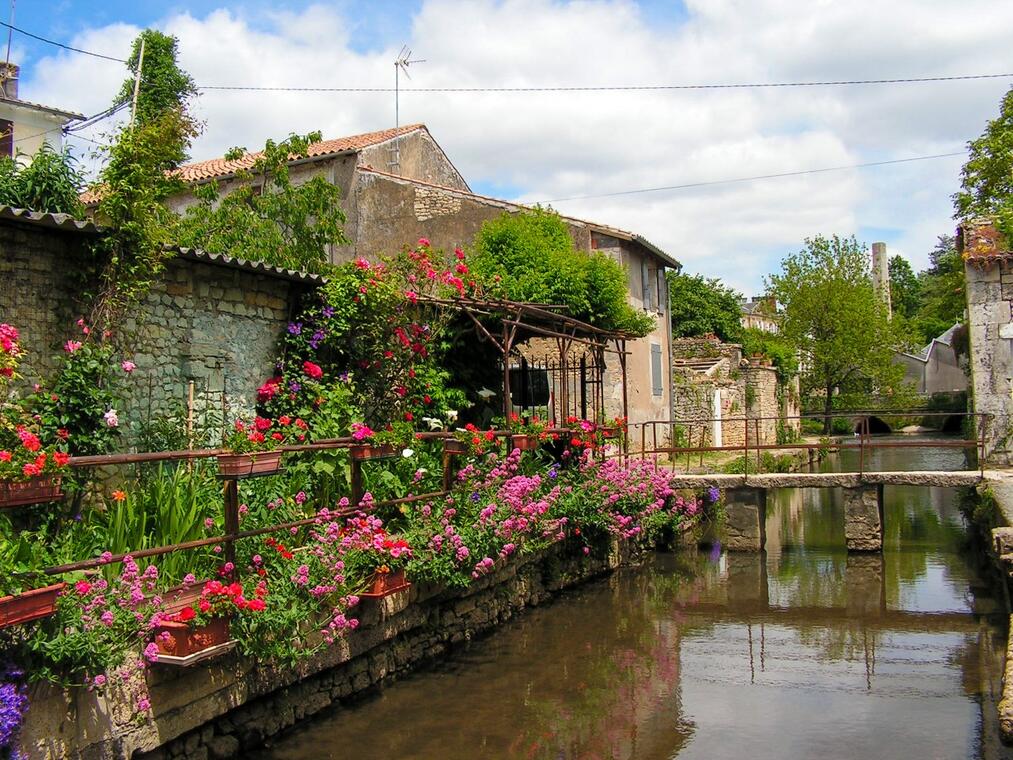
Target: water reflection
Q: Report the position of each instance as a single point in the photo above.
(798, 652)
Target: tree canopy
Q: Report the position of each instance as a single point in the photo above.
(530, 256)
(267, 217)
(164, 85)
(904, 287)
(832, 315)
(987, 178)
(701, 306)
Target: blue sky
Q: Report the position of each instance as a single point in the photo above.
(534, 146)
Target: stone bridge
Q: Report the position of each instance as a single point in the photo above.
(746, 500)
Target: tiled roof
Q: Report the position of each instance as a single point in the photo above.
(219, 167)
(512, 206)
(979, 242)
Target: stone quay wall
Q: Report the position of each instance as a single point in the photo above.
(229, 706)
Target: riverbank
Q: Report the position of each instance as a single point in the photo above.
(229, 706)
(770, 460)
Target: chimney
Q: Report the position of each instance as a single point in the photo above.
(9, 80)
(881, 275)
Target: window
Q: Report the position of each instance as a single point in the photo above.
(657, 387)
(6, 137)
(647, 285)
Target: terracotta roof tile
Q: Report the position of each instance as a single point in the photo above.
(219, 167)
(979, 242)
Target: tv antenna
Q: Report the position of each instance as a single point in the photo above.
(401, 64)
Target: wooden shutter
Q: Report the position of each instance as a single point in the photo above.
(657, 386)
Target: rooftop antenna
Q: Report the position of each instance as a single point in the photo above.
(403, 61)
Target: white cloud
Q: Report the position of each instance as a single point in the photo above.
(554, 145)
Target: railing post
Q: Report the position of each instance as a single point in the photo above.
(357, 491)
(745, 449)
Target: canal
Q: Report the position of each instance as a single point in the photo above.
(800, 652)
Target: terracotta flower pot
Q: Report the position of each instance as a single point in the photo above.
(246, 465)
(372, 451)
(184, 640)
(31, 605)
(610, 432)
(524, 442)
(385, 584)
(43, 488)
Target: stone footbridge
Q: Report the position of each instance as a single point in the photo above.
(746, 500)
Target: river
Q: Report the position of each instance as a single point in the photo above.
(800, 652)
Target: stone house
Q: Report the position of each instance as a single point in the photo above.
(936, 368)
(758, 312)
(25, 126)
(988, 269)
(398, 185)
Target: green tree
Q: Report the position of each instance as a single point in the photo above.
(164, 85)
(51, 182)
(832, 316)
(701, 306)
(531, 257)
(986, 180)
(941, 291)
(269, 218)
(904, 287)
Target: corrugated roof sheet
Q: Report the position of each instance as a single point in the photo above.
(258, 267)
(63, 222)
(219, 167)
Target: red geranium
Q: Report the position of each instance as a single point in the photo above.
(312, 370)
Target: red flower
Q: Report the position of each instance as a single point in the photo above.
(5, 456)
(312, 370)
(285, 420)
(299, 423)
(278, 436)
(63, 433)
(489, 435)
(268, 390)
(409, 416)
(256, 437)
(185, 614)
(257, 605)
(262, 423)
(60, 458)
(204, 605)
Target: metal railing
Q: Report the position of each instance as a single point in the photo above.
(655, 437)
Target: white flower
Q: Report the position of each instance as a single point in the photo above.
(486, 393)
(407, 453)
(452, 415)
(111, 419)
(434, 424)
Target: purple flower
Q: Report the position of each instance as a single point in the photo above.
(294, 387)
(713, 494)
(13, 705)
(294, 328)
(328, 311)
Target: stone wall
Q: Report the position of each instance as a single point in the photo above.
(214, 324)
(229, 706)
(989, 278)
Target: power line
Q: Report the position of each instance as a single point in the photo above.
(61, 45)
(750, 179)
(608, 88)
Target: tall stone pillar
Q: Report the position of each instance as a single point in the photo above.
(881, 274)
(863, 518)
(745, 519)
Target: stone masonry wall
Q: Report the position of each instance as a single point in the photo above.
(227, 707)
(989, 301)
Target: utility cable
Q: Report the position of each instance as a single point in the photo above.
(60, 44)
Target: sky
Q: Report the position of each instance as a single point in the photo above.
(549, 146)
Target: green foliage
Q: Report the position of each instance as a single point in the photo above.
(769, 462)
(701, 306)
(905, 289)
(164, 85)
(942, 291)
(267, 217)
(51, 182)
(987, 177)
(832, 316)
(531, 257)
(775, 347)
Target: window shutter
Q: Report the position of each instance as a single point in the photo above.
(645, 283)
(657, 387)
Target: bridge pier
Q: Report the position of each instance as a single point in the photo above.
(863, 518)
(745, 519)
(863, 580)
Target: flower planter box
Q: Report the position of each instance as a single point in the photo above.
(385, 584)
(31, 605)
(610, 432)
(454, 446)
(248, 465)
(185, 644)
(371, 451)
(33, 491)
(524, 442)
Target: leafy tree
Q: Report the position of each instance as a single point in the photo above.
(51, 182)
(904, 287)
(942, 291)
(987, 177)
(832, 316)
(701, 306)
(268, 218)
(165, 87)
(531, 257)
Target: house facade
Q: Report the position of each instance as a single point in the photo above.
(25, 126)
(937, 368)
(398, 185)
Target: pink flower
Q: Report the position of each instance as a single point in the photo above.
(128, 366)
(144, 704)
(99, 680)
(71, 346)
(424, 242)
(312, 370)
